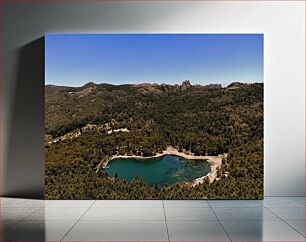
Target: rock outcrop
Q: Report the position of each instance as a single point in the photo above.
(163, 88)
(185, 85)
(235, 85)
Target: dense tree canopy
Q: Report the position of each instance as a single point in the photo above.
(196, 119)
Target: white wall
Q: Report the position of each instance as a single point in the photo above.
(283, 25)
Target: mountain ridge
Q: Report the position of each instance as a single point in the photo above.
(185, 82)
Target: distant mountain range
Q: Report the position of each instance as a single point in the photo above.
(154, 87)
(92, 83)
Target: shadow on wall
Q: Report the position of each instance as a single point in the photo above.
(26, 132)
(28, 230)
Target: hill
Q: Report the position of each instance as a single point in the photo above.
(204, 120)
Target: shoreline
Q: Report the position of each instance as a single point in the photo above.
(215, 162)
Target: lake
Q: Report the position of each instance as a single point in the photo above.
(168, 169)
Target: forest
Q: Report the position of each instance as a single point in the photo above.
(203, 120)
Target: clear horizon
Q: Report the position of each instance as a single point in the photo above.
(76, 59)
(178, 83)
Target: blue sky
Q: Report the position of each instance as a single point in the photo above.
(75, 59)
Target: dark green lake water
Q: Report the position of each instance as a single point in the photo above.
(168, 169)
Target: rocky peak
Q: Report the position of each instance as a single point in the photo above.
(185, 85)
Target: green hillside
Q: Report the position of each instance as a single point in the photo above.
(86, 125)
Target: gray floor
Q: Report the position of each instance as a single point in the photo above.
(274, 219)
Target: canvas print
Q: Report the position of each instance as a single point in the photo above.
(154, 116)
